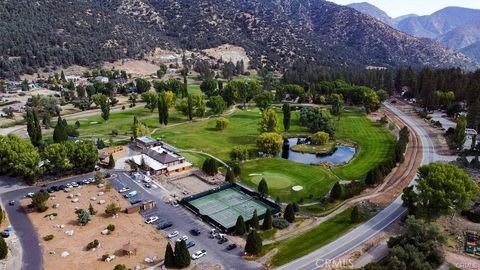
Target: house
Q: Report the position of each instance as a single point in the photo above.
(145, 142)
(101, 79)
(158, 160)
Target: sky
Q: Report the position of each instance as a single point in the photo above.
(396, 8)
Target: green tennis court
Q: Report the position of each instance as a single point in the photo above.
(226, 205)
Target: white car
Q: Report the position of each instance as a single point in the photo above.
(172, 234)
(30, 194)
(199, 254)
(151, 219)
(125, 189)
(183, 238)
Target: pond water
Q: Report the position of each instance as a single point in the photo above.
(342, 154)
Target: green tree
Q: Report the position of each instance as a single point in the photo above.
(230, 176)
(182, 256)
(151, 99)
(254, 222)
(92, 211)
(267, 220)
(33, 127)
(441, 189)
(56, 158)
(337, 191)
(459, 136)
(2, 215)
(320, 138)
(371, 102)
(289, 214)
(142, 85)
(240, 227)
(210, 166)
(3, 249)
(111, 162)
(209, 87)
(161, 71)
(83, 217)
(263, 187)
(112, 209)
(337, 104)
(102, 101)
(83, 155)
(287, 114)
(254, 244)
(169, 261)
(39, 200)
(269, 121)
(163, 107)
(355, 215)
(217, 104)
(120, 267)
(270, 143)
(60, 131)
(263, 100)
(317, 120)
(222, 123)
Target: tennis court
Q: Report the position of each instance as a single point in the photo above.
(226, 205)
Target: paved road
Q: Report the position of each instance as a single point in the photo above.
(383, 219)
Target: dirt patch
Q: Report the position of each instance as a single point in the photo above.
(229, 52)
(134, 67)
(71, 70)
(128, 229)
(186, 185)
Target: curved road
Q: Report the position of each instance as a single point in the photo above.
(348, 242)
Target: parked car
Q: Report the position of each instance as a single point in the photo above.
(164, 225)
(50, 190)
(190, 244)
(222, 241)
(135, 201)
(147, 185)
(125, 189)
(75, 184)
(62, 187)
(5, 234)
(30, 194)
(183, 238)
(12, 202)
(195, 232)
(172, 234)
(231, 246)
(151, 219)
(54, 188)
(131, 194)
(199, 254)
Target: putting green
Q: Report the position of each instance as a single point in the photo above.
(274, 180)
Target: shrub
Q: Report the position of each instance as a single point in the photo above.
(222, 123)
(114, 132)
(320, 138)
(111, 227)
(39, 199)
(270, 143)
(3, 249)
(280, 223)
(93, 244)
(48, 237)
(112, 209)
(105, 257)
(239, 153)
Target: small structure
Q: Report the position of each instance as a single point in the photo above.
(129, 249)
(145, 142)
(158, 160)
(101, 79)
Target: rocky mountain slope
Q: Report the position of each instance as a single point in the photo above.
(371, 10)
(43, 33)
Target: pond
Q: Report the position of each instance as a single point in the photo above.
(341, 154)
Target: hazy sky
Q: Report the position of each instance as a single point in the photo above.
(396, 8)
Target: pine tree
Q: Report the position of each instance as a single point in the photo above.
(169, 261)
(182, 256)
(254, 243)
(289, 213)
(1, 215)
(286, 116)
(162, 109)
(337, 191)
(267, 220)
(60, 131)
(190, 107)
(134, 127)
(91, 210)
(111, 162)
(3, 249)
(254, 222)
(230, 176)
(355, 215)
(263, 187)
(240, 227)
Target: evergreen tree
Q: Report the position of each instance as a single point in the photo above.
(182, 256)
(91, 210)
(254, 244)
(263, 187)
(33, 127)
(210, 166)
(3, 249)
(111, 162)
(286, 116)
(240, 227)
(474, 142)
(337, 191)
(169, 261)
(254, 222)
(162, 109)
(289, 213)
(267, 220)
(230, 176)
(355, 215)
(134, 127)
(1, 215)
(459, 136)
(60, 131)
(190, 107)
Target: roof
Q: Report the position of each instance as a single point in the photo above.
(161, 155)
(150, 162)
(146, 140)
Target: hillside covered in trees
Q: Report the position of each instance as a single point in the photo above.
(47, 33)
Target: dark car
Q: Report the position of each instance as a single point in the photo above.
(135, 201)
(190, 244)
(231, 246)
(164, 225)
(62, 187)
(5, 234)
(195, 232)
(12, 202)
(55, 188)
(50, 190)
(222, 241)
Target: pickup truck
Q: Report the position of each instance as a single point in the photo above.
(131, 194)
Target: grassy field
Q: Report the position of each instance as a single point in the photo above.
(194, 158)
(314, 149)
(311, 240)
(194, 89)
(374, 144)
(281, 175)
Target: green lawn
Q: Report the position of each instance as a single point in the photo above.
(194, 89)
(311, 240)
(281, 175)
(194, 158)
(374, 144)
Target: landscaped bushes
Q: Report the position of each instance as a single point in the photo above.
(280, 223)
(48, 237)
(93, 244)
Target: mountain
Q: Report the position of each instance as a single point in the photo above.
(403, 17)
(373, 11)
(438, 23)
(49, 33)
(472, 51)
(462, 36)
